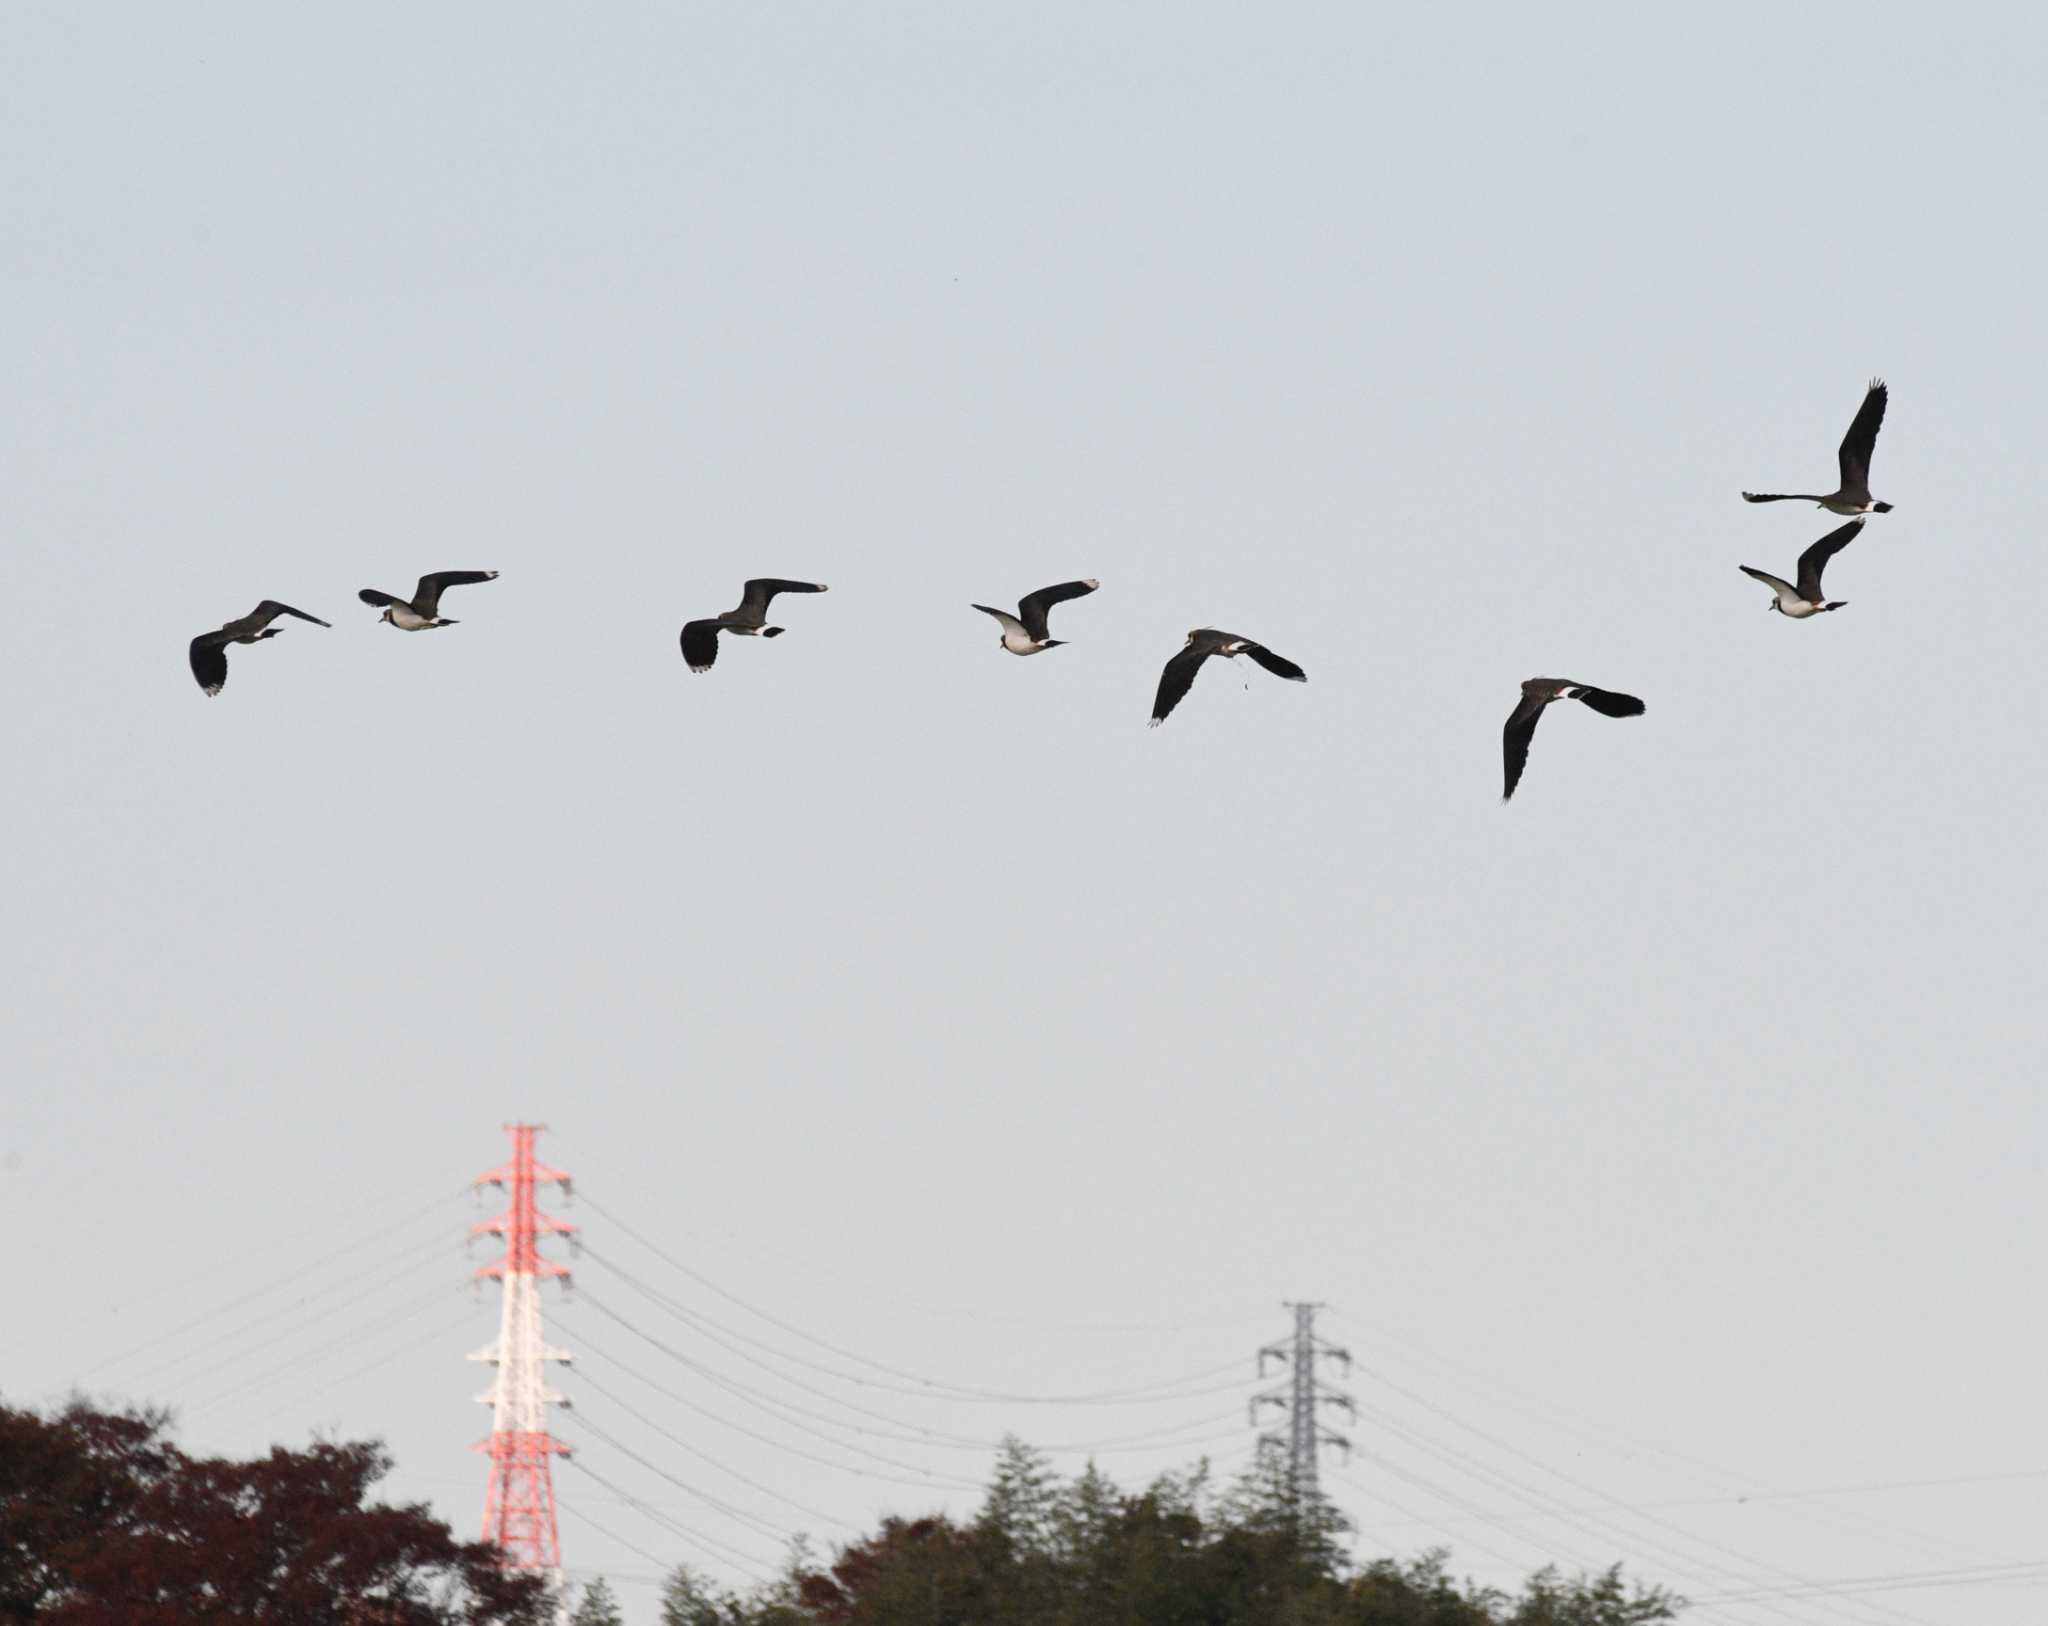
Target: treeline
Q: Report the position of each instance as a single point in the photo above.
(105, 1521)
(1046, 1551)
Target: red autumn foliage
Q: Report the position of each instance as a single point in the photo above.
(104, 1522)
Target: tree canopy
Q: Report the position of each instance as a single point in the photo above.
(1041, 1551)
(105, 1522)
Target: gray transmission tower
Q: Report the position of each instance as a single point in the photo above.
(1299, 1398)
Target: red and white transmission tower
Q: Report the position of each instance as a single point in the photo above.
(519, 1501)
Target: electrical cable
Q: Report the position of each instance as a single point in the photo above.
(921, 1435)
(927, 1482)
(723, 1236)
(924, 1386)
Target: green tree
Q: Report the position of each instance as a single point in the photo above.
(1023, 1501)
(1265, 1498)
(597, 1606)
(690, 1599)
(1042, 1552)
(1590, 1600)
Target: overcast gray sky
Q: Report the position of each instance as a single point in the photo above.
(1693, 1097)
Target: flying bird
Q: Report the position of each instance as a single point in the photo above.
(1024, 633)
(1806, 599)
(424, 608)
(1538, 693)
(1853, 495)
(1203, 642)
(209, 652)
(700, 638)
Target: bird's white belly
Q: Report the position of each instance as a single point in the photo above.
(1020, 643)
(407, 619)
(1799, 609)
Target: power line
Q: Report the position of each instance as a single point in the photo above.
(378, 1275)
(676, 1439)
(745, 1561)
(2020, 1570)
(926, 1482)
(927, 1387)
(739, 1515)
(722, 1236)
(296, 1273)
(1590, 1428)
(1647, 1517)
(919, 1434)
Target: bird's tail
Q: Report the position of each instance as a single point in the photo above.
(771, 632)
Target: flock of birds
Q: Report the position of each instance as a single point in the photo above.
(1027, 632)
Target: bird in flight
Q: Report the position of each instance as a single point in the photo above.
(209, 653)
(1853, 495)
(1179, 675)
(700, 638)
(1806, 598)
(423, 609)
(1538, 693)
(1025, 633)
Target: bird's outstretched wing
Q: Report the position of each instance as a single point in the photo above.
(1779, 496)
(761, 591)
(700, 644)
(1009, 621)
(1176, 680)
(1033, 608)
(1514, 740)
(1278, 665)
(1814, 560)
(1777, 584)
(426, 598)
(381, 599)
(269, 610)
(209, 656)
(1607, 703)
(1858, 443)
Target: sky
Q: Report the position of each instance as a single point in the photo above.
(1666, 1143)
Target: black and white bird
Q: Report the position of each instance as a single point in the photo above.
(210, 649)
(423, 610)
(1203, 642)
(1853, 495)
(1024, 633)
(700, 638)
(1806, 598)
(1538, 693)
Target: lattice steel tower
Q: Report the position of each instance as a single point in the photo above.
(1300, 1398)
(519, 1500)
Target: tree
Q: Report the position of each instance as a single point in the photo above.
(1045, 1553)
(104, 1522)
(1023, 1499)
(1590, 1600)
(689, 1599)
(597, 1607)
(63, 1481)
(1266, 1498)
